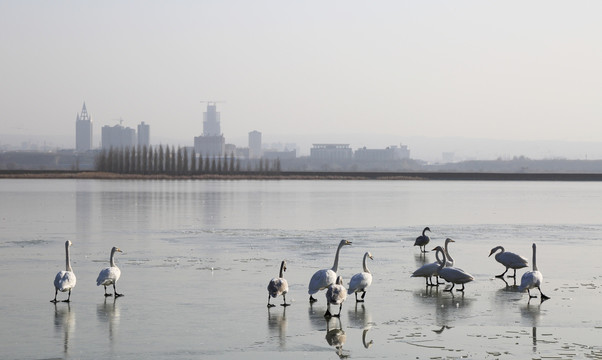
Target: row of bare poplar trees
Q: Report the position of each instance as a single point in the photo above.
(167, 160)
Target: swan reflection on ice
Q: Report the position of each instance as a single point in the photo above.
(336, 337)
(277, 324)
(64, 321)
(108, 312)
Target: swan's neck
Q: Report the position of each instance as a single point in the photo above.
(441, 262)
(281, 269)
(365, 265)
(423, 232)
(335, 266)
(113, 258)
(534, 258)
(67, 258)
(448, 256)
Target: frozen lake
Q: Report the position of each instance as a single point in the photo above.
(198, 255)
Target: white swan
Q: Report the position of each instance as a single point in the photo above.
(335, 295)
(422, 240)
(452, 274)
(325, 277)
(509, 260)
(427, 271)
(361, 281)
(278, 286)
(110, 275)
(65, 280)
(532, 279)
(449, 259)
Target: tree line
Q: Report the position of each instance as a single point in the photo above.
(167, 160)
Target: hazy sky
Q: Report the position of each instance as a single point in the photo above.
(516, 70)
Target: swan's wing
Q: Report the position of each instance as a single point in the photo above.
(65, 280)
(426, 270)
(526, 281)
(512, 260)
(277, 286)
(108, 276)
(321, 280)
(455, 275)
(336, 294)
(359, 282)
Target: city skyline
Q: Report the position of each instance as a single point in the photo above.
(370, 75)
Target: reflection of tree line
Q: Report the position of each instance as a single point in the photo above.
(168, 160)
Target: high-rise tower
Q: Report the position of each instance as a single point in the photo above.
(211, 125)
(212, 142)
(143, 134)
(254, 144)
(83, 131)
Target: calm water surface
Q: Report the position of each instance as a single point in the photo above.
(198, 256)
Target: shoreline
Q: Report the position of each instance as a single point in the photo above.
(300, 175)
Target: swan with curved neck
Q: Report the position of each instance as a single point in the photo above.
(361, 281)
(335, 295)
(427, 271)
(110, 275)
(422, 240)
(65, 280)
(532, 279)
(452, 274)
(509, 260)
(450, 259)
(278, 286)
(322, 279)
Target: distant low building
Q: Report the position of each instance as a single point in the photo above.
(282, 155)
(330, 152)
(391, 153)
(118, 137)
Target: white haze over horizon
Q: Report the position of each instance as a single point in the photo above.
(478, 79)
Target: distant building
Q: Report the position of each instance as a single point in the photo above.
(118, 137)
(330, 152)
(282, 155)
(255, 145)
(83, 131)
(212, 142)
(211, 121)
(391, 153)
(143, 134)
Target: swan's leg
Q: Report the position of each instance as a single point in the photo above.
(513, 276)
(355, 296)
(427, 281)
(115, 291)
(461, 289)
(270, 305)
(502, 274)
(439, 283)
(328, 314)
(69, 297)
(106, 291)
(451, 288)
(312, 299)
(340, 307)
(56, 291)
(543, 297)
(284, 301)
(531, 296)
(363, 295)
